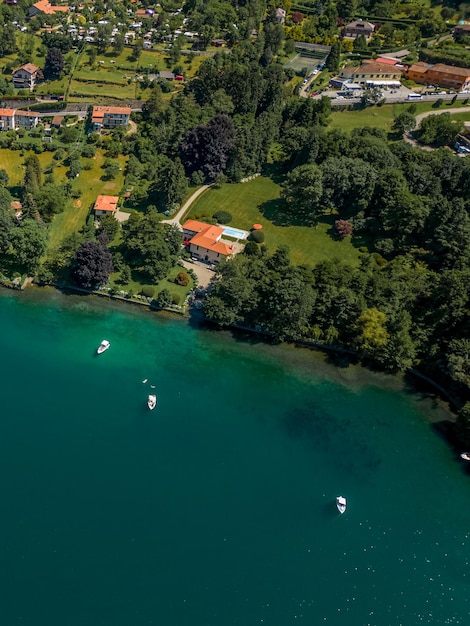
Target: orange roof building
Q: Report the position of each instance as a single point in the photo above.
(45, 7)
(440, 74)
(109, 117)
(204, 241)
(105, 205)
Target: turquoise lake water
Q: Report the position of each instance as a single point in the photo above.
(218, 508)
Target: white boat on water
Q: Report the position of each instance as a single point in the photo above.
(152, 401)
(104, 345)
(341, 504)
(465, 456)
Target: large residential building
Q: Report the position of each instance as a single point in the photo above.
(44, 7)
(105, 205)
(109, 117)
(371, 73)
(7, 119)
(12, 118)
(358, 27)
(440, 74)
(27, 76)
(203, 241)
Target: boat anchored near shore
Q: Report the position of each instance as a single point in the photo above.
(152, 401)
(104, 345)
(465, 456)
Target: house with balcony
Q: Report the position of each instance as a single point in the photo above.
(109, 117)
(13, 118)
(26, 119)
(7, 119)
(27, 76)
(358, 27)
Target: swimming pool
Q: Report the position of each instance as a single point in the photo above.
(234, 232)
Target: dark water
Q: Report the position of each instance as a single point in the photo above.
(217, 509)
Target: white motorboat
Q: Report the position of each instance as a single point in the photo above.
(341, 504)
(104, 345)
(152, 401)
(465, 456)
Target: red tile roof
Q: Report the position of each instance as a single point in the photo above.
(46, 7)
(207, 236)
(100, 111)
(7, 112)
(106, 203)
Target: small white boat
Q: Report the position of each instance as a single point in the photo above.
(104, 345)
(465, 456)
(152, 401)
(341, 504)
(145, 380)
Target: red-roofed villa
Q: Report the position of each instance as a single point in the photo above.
(106, 205)
(203, 241)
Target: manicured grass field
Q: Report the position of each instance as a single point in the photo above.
(166, 283)
(258, 201)
(382, 117)
(90, 184)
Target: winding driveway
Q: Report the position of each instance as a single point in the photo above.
(420, 118)
(176, 219)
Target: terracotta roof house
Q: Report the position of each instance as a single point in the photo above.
(7, 119)
(358, 27)
(105, 205)
(203, 241)
(27, 76)
(109, 117)
(46, 8)
(26, 119)
(12, 118)
(440, 74)
(372, 73)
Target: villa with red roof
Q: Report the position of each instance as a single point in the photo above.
(204, 241)
(109, 117)
(105, 205)
(46, 8)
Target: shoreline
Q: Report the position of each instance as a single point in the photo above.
(320, 350)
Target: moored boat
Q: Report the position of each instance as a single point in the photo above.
(341, 504)
(152, 401)
(465, 456)
(104, 345)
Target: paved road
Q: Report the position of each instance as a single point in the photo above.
(421, 117)
(176, 219)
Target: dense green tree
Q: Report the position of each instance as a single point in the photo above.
(439, 130)
(404, 123)
(54, 65)
(302, 192)
(28, 244)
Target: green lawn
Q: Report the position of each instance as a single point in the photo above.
(76, 212)
(308, 245)
(135, 286)
(382, 117)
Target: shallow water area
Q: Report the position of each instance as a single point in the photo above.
(218, 507)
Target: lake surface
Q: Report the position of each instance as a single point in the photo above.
(218, 508)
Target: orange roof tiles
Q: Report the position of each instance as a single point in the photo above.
(207, 236)
(106, 203)
(7, 112)
(30, 68)
(46, 7)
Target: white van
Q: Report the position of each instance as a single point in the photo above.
(414, 96)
